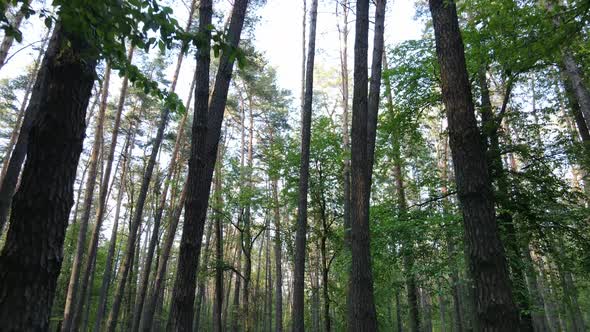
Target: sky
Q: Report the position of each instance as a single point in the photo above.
(278, 35)
(280, 31)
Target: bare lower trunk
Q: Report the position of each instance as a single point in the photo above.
(300, 236)
(71, 297)
(31, 258)
(207, 125)
(104, 189)
(106, 277)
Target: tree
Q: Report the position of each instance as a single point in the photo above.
(300, 237)
(205, 138)
(31, 258)
(495, 309)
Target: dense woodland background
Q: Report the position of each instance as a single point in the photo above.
(437, 184)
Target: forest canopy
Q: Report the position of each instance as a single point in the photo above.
(310, 165)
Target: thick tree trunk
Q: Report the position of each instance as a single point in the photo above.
(71, 297)
(298, 314)
(31, 258)
(495, 308)
(206, 133)
(361, 304)
(11, 170)
(106, 277)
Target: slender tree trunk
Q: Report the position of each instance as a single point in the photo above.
(495, 308)
(106, 277)
(206, 133)
(343, 35)
(71, 297)
(503, 197)
(375, 88)
(21, 112)
(104, 188)
(218, 306)
(143, 285)
(136, 221)
(203, 279)
(9, 39)
(442, 310)
(298, 313)
(149, 309)
(576, 80)
(246, 234)
(398, 312)
(236, 301)
(31, 258)
(268, 288)
(278, 258)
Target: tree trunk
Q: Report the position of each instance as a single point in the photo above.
(361, 304)
(31, 258)
(205, 138)
(106, 277)
(375, 87)
(21, 114)
(495, 308)
(136, 222)
(143, 285)
(12, 169)
(343, 36)
(104, 190)
(278, 259)
(149, 309)
(9, 39)
(503, 197)
(218, 306)
(203, 279)
(298, 314)
(71, 297)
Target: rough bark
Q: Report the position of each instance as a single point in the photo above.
(361, 304)
(206, 133)
(31, 258)
(21, 114)
(495, 308)
(72, 293)
(12, 169)
(298, 313)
